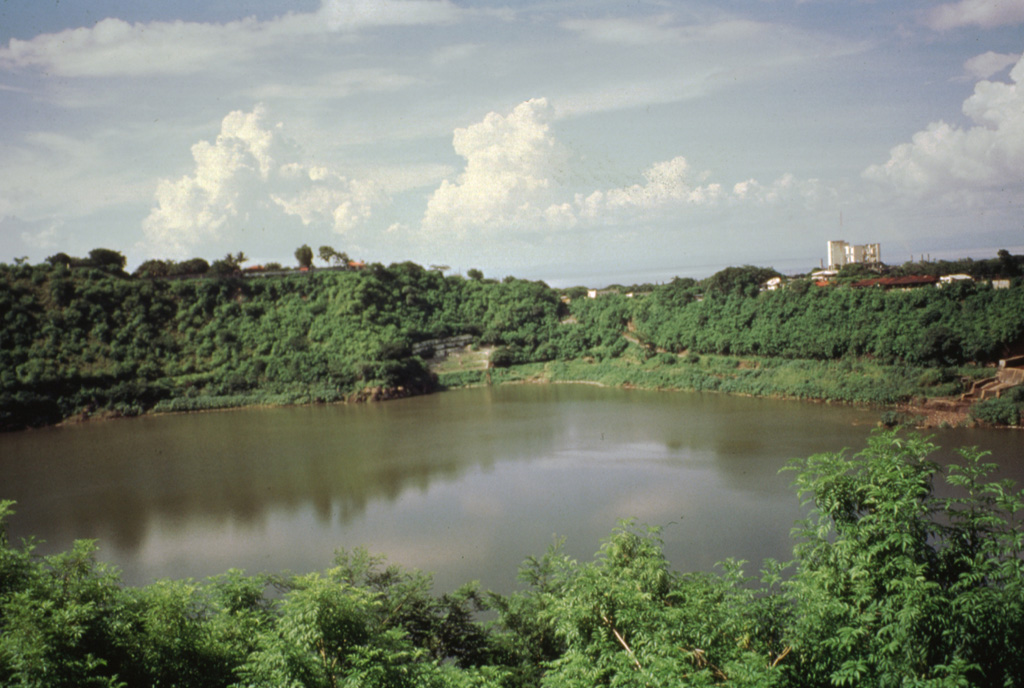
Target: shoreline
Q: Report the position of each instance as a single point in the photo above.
(918, 413)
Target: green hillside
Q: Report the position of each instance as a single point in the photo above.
(82, 338)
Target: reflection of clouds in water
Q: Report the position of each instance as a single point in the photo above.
(465, 483)
(482, 505)
(454, 530)
(656, 504)
(432, 555)
(293, 539)
(176, 551)
(625, 452)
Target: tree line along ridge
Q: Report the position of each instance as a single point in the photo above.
(80, 337)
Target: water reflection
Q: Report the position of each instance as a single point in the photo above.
(466, 483)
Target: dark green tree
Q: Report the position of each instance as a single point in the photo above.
(746, 280)
(224, 266)
(62, 259)
(331, 256)
(1008, 263)
(193, 266)
(153, 268)
(304, 255)
(896, 584)
(107, 258)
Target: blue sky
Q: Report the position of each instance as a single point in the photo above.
(575, 142)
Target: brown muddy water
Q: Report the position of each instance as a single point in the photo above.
(464, 484)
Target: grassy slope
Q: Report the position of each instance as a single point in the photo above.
(847, 381)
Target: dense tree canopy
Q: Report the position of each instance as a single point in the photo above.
(80, 339)
(945, 326)
(746, 280)
(84, 340)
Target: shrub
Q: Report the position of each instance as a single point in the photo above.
(931, 377)
(502, 357)
(460, 378)
(996, 412)
(896, 585)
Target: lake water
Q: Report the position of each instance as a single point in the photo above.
(465, 484)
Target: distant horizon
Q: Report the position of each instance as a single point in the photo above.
(786, 266)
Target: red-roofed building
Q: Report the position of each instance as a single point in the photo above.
(906, 282)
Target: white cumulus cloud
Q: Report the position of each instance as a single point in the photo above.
(666, 183)
(508, 178)
(252, 174)
(948, 160)
(786, 189)
(984, 13)
(516, 178)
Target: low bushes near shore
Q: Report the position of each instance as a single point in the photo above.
(844, 380)
(1000, 411)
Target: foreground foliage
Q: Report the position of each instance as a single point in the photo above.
(904, 573)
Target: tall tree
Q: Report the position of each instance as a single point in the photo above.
(1008, 265)
(60, 259)
(739, 280)
(153, 268)
(304, 254)
(329, 255)
(107, 258)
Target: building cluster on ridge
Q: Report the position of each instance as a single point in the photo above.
(841, 253)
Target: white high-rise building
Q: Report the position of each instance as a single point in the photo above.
(841, 253)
